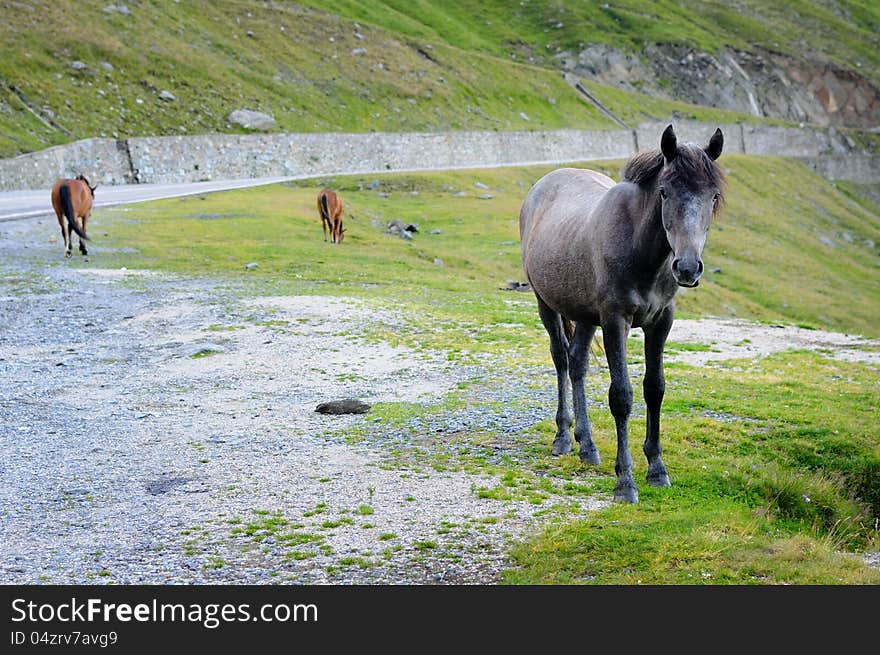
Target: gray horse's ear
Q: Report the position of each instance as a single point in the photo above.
(669, 144)
(716, 143)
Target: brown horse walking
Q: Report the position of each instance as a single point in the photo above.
(330, 209)
(72, 201)
(598, 253)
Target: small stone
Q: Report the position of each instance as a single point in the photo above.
(343, 406)
(167, 96)
(480, 185)
(251, 266)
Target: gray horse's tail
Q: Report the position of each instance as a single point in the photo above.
(568, 327)
(596, 346)
(69, 213)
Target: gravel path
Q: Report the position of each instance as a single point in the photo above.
(157, 429)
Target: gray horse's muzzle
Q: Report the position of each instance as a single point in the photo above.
(687, 271)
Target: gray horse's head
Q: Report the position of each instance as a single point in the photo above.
(685, 189)
(690, 186)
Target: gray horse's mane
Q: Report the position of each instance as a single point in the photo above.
(692, 167)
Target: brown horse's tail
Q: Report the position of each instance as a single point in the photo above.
(325, 209)
(69, 213)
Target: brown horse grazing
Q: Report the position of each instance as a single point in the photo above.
(598, 253)
(330, 209)
(72, 200)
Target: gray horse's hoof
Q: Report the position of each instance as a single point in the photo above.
(590, 454)
(657, 475)
(626, 492)
(659, 480)
(561, 445)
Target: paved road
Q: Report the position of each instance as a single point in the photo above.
(24, 204)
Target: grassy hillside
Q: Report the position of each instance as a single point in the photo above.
(842, 32)
(774, 462)
(357, 66)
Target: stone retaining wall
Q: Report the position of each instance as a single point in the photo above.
(174, 159)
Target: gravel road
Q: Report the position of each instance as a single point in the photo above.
(158, 429)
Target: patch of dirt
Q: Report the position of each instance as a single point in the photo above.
(738, 339)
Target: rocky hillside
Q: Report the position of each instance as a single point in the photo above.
(70, 70)
(758, 82)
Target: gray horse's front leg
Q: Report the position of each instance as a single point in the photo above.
(654, 386)
(620, 399)
(559, 352)
(578, 361)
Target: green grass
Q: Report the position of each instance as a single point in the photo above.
(778, 495)
(428, 65)
(767, 258)
(774, 462)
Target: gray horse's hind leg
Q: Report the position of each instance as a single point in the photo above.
(559, 352)
(578, 360)
(654, 386)
(620, 400)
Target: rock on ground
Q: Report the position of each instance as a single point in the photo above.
(252, 120)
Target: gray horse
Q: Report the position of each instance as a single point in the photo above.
(598, 253)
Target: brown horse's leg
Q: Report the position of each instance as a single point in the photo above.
(654, 386)
(82, 245)
(559, 353)
(578, 361)
(62, 223)
(68, 238)
(615, 329)
(337, 219)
